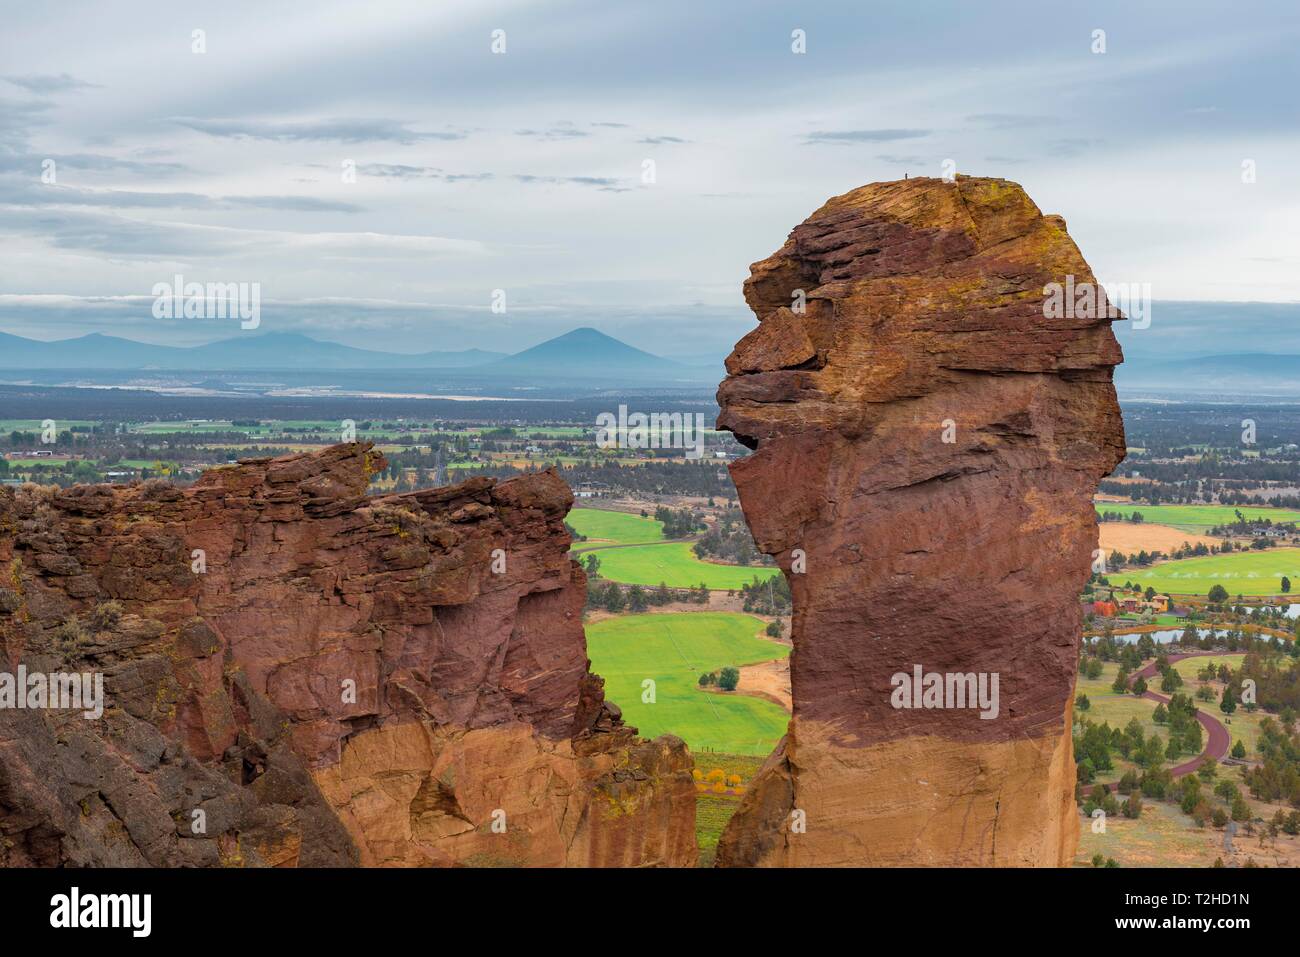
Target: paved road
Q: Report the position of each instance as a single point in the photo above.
(1217, 741)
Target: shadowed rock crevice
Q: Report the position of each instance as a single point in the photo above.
(927, 445)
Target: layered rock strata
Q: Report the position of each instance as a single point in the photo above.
(298, 674)
(930, 423)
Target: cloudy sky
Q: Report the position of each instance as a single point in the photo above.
(526, 170)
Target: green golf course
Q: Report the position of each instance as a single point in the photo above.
(673, 650)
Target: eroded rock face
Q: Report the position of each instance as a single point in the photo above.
(927, 446)
(330, 679)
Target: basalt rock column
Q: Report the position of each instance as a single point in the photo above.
(929, 429)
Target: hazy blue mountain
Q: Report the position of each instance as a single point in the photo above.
(1178, 330)
(282, 350)
(587, 353)
(1241, 373)
(95, 350)
(581, 355)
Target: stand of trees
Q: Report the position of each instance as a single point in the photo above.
(729, 540)
(771, 597)
(615, 598)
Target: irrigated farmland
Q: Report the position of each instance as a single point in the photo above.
(675, 565)
(1198, 518)
(602, 525)
(1241, 573)
(673, 650)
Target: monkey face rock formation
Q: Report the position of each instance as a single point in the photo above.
(929, 429)
(296, 674)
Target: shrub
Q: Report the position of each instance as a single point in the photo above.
(106, 615)
(70, 637)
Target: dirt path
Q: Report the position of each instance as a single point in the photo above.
(769, 680)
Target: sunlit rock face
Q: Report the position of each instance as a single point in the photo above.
(929, 427)
(298, 674)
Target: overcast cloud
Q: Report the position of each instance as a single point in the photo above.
(380, 171)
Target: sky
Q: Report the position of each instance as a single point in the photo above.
(382, 169)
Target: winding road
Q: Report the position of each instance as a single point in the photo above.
(1217, 741)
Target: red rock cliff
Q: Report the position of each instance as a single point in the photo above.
(328, 678)
(927, 444)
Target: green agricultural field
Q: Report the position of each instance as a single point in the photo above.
(623, 528)
(1197, 518)
(675, 565)
(1241, 573)
(674, 650)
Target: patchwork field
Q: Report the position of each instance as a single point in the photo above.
(1245, 573)
(674, 564)
(1131, 538)
(674, 650)
(624, 528)
(1197, 518)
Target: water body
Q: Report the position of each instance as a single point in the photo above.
(1165, 636)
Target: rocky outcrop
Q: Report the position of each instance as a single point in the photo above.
(928, 436)
(297, 674)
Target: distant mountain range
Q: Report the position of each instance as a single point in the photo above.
(586, 350)
(276, 350)
(581, 354)
(1240, 373)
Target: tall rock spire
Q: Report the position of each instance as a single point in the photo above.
(930, 421)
